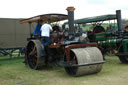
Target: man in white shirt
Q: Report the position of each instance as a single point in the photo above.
(45, 33)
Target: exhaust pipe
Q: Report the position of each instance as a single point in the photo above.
(71, 19)
(119, 22)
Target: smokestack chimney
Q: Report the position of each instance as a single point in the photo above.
(71, 19)
(119, 22)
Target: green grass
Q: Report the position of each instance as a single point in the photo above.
(14, 72)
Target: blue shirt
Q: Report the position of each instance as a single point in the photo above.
(37, 29)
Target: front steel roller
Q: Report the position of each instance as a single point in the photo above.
(88, 61)
(35, 54)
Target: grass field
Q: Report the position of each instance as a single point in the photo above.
(14, 72)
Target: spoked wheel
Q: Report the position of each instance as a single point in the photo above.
(32, 56)
(84, 57)
(35, 52)
(98, 29)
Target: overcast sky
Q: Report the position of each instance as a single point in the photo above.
(84, 8)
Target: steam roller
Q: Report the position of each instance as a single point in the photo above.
(72, 50)
(87, 60)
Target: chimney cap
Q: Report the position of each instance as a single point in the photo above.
(70, 8)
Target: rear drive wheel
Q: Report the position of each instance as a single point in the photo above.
(35, 58)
